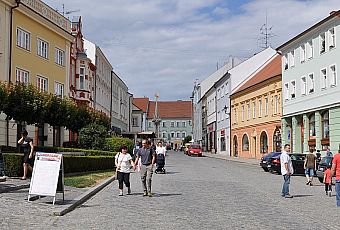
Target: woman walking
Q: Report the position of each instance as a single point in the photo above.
(124, 164)
(27, 145)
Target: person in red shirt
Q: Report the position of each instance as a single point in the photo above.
(327, 179)
(336, 170)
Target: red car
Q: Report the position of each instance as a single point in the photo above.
(195, 150)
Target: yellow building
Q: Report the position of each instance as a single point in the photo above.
(256, 113)
(40, 55)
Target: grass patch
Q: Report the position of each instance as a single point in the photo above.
(88, 179)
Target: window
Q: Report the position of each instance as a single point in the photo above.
(178, 124)
(82, 77)
(312, 125)
(23, 39)
(292, 58)
(218, 94)
(164, 135)
(163, 124)
(184, 124)
(286, 91)
(172, 124)
(303, 53)
(177, 135)
(223, 91)
(42, 84)
(263, 142)
(42, 48)
(293, 89)
(311, 83)
(59, 89)
(190, 122)
(235, 113)
(332, 75)
(183, 135)
(254, 109)
(266, 107)
(245, 143)
(310, 52)
(172, 134)
(260, 107)
(59, 56)
(249, 112)
(285, 61)
(303, 85)
(243, 113)
(22, 76)
(322, 43)
(323, 78)
(276, 104)
(331, 36)
(325, 125)
(135, 122)
(150, 124)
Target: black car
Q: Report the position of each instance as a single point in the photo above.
(298, 160)
(324, 163)
(265, 159)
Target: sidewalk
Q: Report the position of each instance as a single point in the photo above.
(251, 161)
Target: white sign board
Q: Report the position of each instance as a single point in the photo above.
(45, 174)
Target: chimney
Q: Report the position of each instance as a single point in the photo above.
(333, 12)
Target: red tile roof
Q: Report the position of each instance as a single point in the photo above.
(171, 109)
(141, 103)
(272, 69)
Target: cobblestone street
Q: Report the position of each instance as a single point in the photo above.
(196, 193)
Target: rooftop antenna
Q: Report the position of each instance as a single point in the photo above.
(266, 34)
(68, 12)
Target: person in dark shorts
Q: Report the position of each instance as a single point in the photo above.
(27, 146)
(310, 166)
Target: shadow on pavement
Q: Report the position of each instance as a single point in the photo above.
(297, 196)
(166, 194)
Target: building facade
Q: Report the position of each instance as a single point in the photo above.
(310, 85)
(39, 52)
(102, 80)
(176, 121)
(256, 113)
(121, 104)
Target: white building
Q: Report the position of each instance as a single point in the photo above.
(102, 81)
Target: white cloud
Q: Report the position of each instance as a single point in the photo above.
(163, 46)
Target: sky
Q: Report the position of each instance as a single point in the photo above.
(164, 46)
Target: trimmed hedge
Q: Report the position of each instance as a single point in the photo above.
(14, 168)
(87, 152)
(114, 144)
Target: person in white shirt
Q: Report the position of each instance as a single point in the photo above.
(124, 164)
(160, 162)
(286, 170)
(161, 149)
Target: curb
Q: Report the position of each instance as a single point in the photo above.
(83, 197)
(14, 188)
(230, 159)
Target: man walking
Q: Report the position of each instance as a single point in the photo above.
(286, 170)
(310, 166)
(148, 158)
(336, 170)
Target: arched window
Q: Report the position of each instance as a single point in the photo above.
(277, 140)
(235, 146)
(312, 125)
(245, 143)
(325, 125)
(263, 142)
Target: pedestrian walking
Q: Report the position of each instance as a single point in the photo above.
(327, 180)
(309, 166)
(148, 159)
(135, 150)
(27, 145)
(336, 170)
(329, 153)
(124, 164)
(286, 170)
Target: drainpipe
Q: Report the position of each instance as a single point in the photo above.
(10, 63)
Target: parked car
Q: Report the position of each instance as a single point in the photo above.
(325, 161)
(265, 159)
(195, 150)
(298, 160)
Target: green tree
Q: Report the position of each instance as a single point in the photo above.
(3, 96)
(187, 139)
(93, 136)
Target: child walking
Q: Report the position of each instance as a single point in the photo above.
(327, 179)
(124, 164)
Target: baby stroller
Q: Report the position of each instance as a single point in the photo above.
(160, 162)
